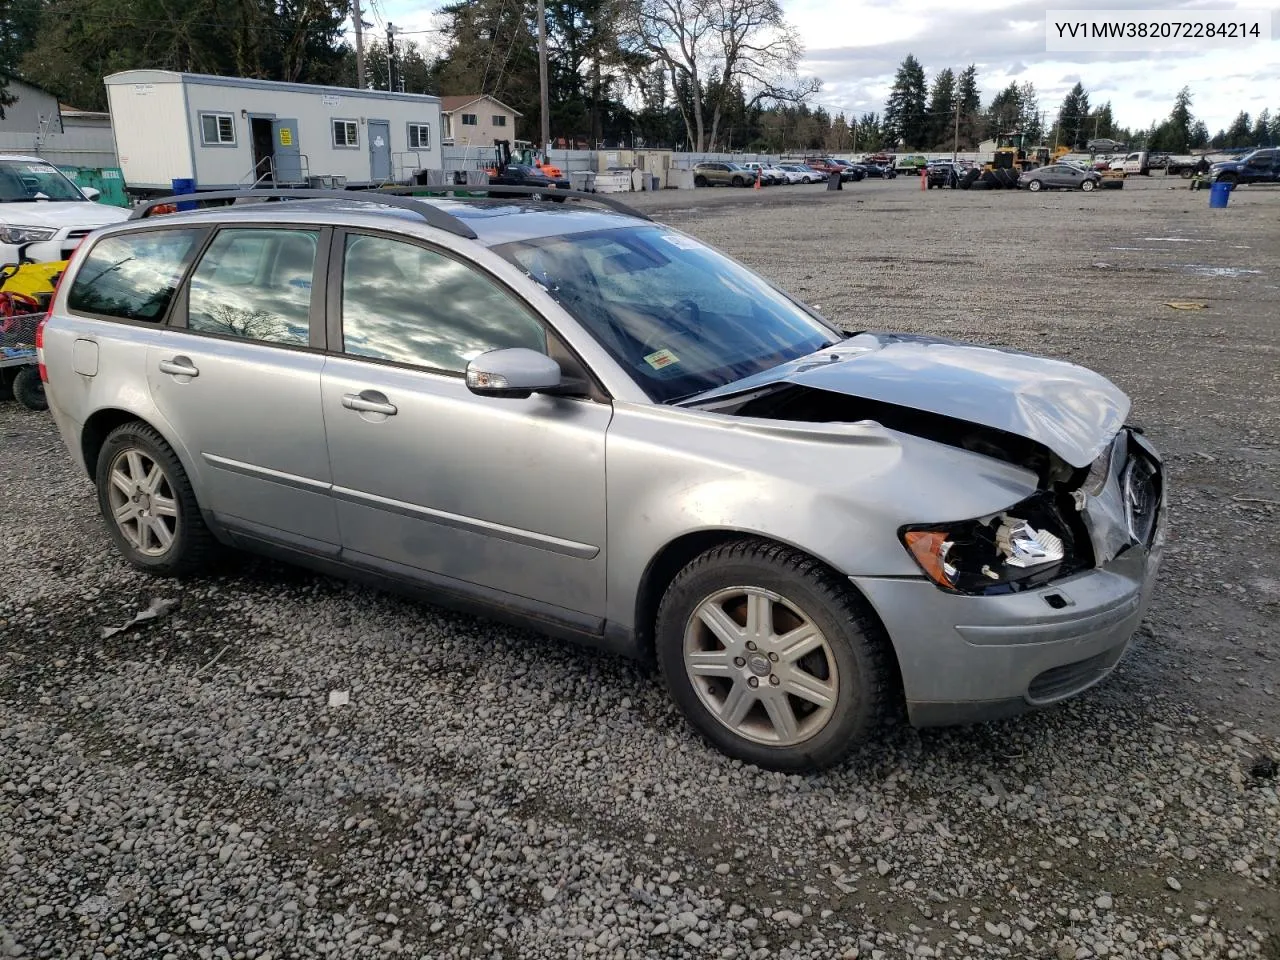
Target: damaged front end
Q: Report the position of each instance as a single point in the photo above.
(1079, 518)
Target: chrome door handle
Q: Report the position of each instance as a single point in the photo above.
(369, 402)
(179, 367)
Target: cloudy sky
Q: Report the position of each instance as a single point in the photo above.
(855, 46)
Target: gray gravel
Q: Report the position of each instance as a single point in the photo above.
(185, 789)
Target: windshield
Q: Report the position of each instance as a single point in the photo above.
(680, 317)
(22, 181)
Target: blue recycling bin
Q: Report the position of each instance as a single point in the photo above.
(181, 186)
(1219, 194)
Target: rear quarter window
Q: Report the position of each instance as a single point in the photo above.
(133, 276)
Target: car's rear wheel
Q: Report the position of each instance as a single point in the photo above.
(699, 181)
(772, 656)
(148, 504)
(1087, 186)
(1034, 185)
(1186, 173)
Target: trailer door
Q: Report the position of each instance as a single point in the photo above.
(379, 150)
(284, 134)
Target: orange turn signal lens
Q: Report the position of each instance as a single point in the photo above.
(930, 547)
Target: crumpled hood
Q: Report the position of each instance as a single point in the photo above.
(1070, 410)
(84, 215)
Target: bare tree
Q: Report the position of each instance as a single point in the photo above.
(712, 49)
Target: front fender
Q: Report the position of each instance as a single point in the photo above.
(837, 491)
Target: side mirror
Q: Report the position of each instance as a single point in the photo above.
(91, 193)
(515, 372)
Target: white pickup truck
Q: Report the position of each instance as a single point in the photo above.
(1135, 162)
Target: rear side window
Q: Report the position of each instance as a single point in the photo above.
(133, 276)
(256, 285)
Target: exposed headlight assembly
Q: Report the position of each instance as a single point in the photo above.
(14, 233)
(1021, 547)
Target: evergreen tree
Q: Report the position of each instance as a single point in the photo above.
(969, 100)
(1071, 129)
(904, 113)
(1262, 130)
(1199, 136)
(942, 109)
(1240, 133)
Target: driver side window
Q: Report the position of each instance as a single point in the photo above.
(407, 304)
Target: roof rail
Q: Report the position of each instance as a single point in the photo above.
(500, 192)
(429, 212)
(406, 198)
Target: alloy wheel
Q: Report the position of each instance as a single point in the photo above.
(761, 666)
(143, 504)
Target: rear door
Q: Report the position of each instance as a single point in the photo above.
(432, 481)
(237, 374)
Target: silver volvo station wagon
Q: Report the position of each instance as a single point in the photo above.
(573, 418)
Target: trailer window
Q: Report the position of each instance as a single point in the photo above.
(217, 129)
(419, 136)
(346, 133)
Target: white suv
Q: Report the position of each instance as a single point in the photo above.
(43, 215)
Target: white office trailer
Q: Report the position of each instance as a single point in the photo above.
(232, 133)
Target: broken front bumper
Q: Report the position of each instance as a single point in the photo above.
(971, 658)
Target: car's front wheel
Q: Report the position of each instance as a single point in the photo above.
(1087, 186)
(772, 656)
(148, 504)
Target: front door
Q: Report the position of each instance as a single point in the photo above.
(379, 150)
(504, 494)
(284, 135)
(237, 377)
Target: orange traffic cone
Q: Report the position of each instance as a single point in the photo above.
(757, 178)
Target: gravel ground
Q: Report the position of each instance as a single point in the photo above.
(184, 788)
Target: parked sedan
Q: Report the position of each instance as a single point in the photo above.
(1059, 176)
(597, 426)
(879, 171)
(799, 173)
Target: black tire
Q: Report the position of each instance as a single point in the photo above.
(1186, 173)
(737, 182)
(193, 547)
(6, 383)
(699, 181)
(857, 649)
(28, 390)
(1086, 185)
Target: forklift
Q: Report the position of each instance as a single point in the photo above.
(523, 153)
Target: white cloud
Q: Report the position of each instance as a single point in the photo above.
(855, 47)
(857, 51)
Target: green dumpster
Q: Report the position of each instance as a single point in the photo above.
(108, 181)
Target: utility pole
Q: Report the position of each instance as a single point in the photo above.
(542, 77)
(955, 144)
(357, 18)
(391, 56)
